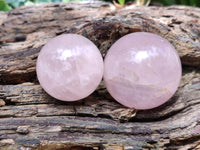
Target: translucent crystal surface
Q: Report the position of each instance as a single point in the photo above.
(142, 70)
(69, 67)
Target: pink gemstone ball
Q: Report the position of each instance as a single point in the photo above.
(69, 67)
(142, 70)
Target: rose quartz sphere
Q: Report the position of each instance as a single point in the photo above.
(142, 70)
(69, 67)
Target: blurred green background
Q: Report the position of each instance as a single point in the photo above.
(6, 5)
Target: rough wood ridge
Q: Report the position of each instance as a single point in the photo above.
(30, 119)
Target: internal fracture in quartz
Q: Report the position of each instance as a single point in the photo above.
(69, 67)
(142, 70)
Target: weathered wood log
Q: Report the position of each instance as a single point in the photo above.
(30, 119)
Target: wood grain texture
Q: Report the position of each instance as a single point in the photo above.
(31, 119)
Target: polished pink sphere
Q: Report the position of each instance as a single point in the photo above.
(69, 67)
(142, 70)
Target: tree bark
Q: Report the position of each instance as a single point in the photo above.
(31, 119)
